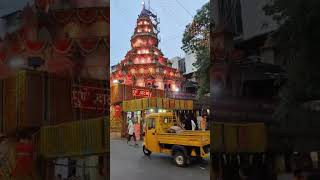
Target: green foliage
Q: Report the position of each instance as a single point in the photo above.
(196, 40)
(297, 42)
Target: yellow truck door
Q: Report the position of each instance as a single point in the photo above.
(151, 140)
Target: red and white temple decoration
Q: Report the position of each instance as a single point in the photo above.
(145, 65)
(69, 40)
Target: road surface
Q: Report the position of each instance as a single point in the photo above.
(129, 162)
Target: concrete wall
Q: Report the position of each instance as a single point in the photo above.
(190, 59)
(175, 62)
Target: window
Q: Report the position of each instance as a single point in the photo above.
(151, 124)
(166, 120)
(182, 65)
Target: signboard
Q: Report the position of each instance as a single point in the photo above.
(178, 95)
(89, 98)
(141, 92)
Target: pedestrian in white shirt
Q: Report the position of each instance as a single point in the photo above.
(193, 125)
(131, 132)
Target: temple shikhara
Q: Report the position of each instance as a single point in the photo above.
(145, 65)
(144, 81)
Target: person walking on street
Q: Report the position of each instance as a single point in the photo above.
(131, 133)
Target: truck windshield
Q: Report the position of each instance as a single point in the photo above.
(166, 120)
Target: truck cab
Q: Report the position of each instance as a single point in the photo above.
(164, 135)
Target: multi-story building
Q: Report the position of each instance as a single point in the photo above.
(243, 79)
(179, 63)
(186, 66)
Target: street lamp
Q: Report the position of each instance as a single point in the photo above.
(115, 81)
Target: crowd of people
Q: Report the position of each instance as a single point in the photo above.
(191, 122)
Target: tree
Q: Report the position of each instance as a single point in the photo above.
(196, 40)
(297, 41)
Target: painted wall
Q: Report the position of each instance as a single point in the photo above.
(190, 59)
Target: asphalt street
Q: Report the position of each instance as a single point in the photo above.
(129, 162)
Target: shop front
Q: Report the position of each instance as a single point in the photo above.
(138, 109)
(128, 102)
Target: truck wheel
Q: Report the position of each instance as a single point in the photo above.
(180, 159)
(146, 151)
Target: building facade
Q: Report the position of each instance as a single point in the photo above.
(244, 68)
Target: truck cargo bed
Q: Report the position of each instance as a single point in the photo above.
(186, 138)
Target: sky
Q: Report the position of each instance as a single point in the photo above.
(174, 16)
(8, 6)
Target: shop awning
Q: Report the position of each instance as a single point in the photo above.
(153, 103)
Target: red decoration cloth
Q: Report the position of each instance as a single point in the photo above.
(23, 160)
(35, 46)
(117, 111)
(62, 46)
(88, 44)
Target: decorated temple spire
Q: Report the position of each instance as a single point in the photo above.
(144, 5)
(145, 65)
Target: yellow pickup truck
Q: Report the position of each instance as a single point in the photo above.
(163, 135)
